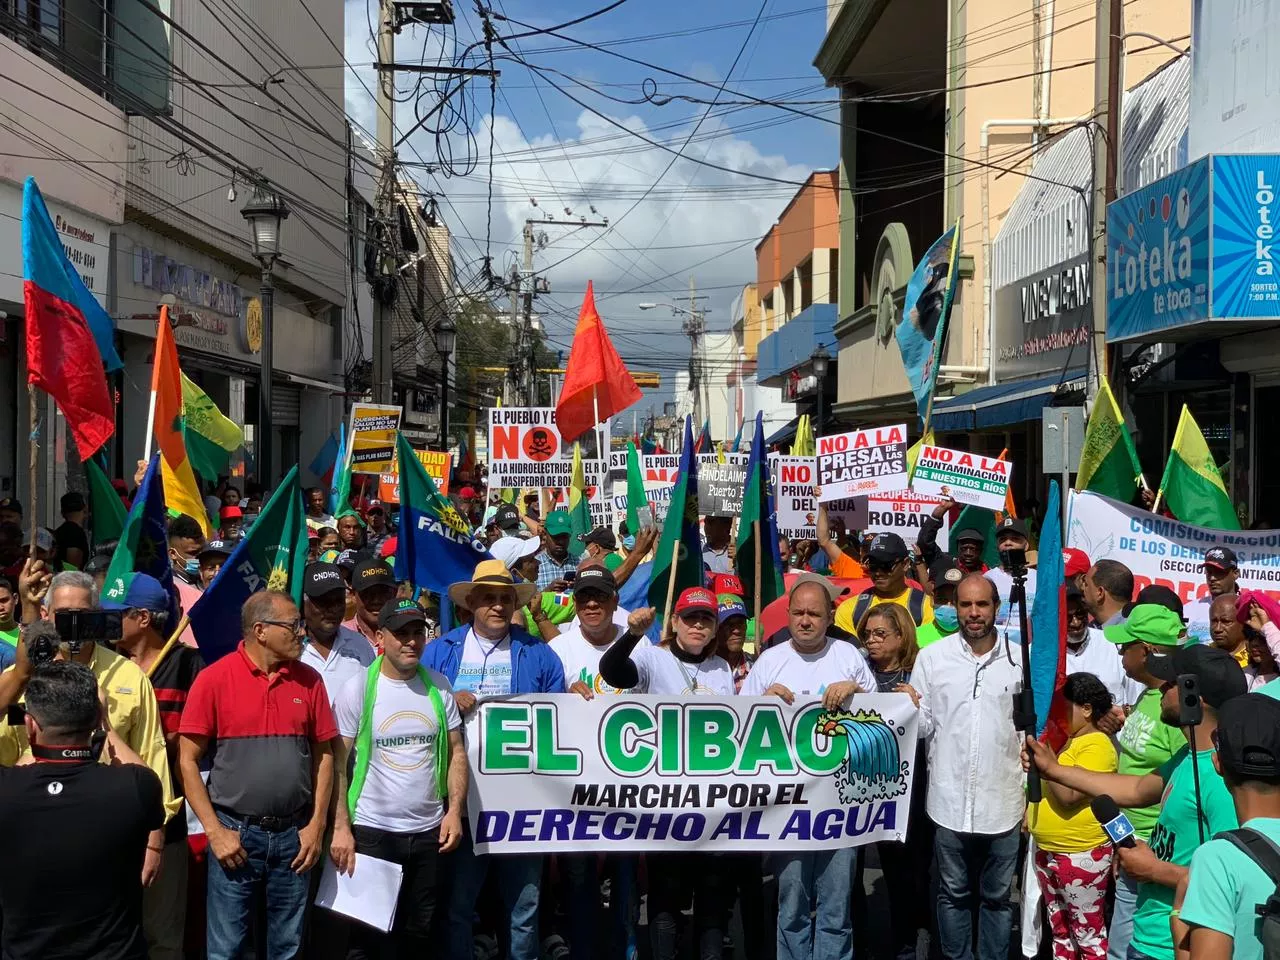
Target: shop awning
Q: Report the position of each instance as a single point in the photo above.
(1000, 404)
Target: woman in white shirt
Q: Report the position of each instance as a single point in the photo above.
(682, 664)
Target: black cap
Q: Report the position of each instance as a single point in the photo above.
(72, 501)
(507, 517)
(887, 548)
(1217, 671)
(970, 534)
(321, 578)
(602, 536)
(1224, 558)
(348, 559)
(1160, 595)
(400, 614)
(1011, 525)
(371, 573)
(1249, 737)
(595, 578)
(940, 570)
(11, 503)
(223, 547)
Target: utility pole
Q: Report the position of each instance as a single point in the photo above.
(695, 326)
(524, 350)
(1108, 54)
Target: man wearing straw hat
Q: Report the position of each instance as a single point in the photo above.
(172, 668)
(487, 658)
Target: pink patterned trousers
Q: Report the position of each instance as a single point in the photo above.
(1075, 891)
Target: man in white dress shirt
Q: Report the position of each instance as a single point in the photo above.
(1088, 651)
(336, 652)
(965, 686)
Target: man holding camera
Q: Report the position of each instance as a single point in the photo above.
(70, 871)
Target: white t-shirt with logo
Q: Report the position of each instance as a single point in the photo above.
(809, 674)
(399, 793)
(660, 672)
(581, 658)
(485, 668)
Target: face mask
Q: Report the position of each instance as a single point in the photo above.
(629, 542)
(947, 618)
(192, 567)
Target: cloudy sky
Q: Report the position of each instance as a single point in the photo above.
(567, 124)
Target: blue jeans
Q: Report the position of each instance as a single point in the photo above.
(1120, 930)
(233, 894)
(581, 884)
(820, 883)
(519, 878)
(981, 864)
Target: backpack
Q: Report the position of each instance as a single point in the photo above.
(915, 605)
(1265, 853)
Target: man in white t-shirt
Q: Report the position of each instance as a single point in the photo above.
(336, 652)
(401, 721)
(581, 645)
(808, 666)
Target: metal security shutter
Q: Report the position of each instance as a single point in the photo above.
(286, 405)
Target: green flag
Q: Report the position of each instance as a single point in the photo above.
(758, 519)
(1108, 461)
(344, 508)
(639, 513)
(107, 511)
(680, 546)
(579, 505)
(982, 520)
(210, 437)
(1192, 485)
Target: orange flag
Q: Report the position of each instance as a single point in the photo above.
(596, 382)
(181, 492)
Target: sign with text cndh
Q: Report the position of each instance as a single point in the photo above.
(862, 462)
(373, 437)
(556, 773)
(962, 476)
(525, 450)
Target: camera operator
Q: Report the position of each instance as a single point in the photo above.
(130, 699)
(70, 873)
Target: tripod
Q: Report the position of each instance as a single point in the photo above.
(1024, 708)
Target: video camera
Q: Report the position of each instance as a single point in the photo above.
(75, 628)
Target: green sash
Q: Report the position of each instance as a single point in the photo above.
(364, 736)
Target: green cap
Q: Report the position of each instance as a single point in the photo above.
(557, 523)
(1148, 623)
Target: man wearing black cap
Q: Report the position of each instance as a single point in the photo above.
(1221, 571)
(374, 587)
(11, 510)
(887, 566)
(1185, 820)
(210, 560)
(601, 544)
(580, 646)
(334, 651)
(1228, 883)
(73, 544)
(507, 518)
(404, 800)
(375, 516)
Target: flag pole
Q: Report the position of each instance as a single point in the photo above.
(601, 453)
(671, 587)
(151, 404)
(755, 535)
(169, 645)
(34, 466)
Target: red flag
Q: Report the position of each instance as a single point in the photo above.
(596, 382)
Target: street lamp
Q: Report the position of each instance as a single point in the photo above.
(820, 358)
(446, 337)
(265, 212)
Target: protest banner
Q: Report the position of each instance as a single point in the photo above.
(660, 467)
(658, 494)
(372, 430)
(437, 463)
(862, 462)
(525, 450)
(1170, 553)
(793, 496)
(901, 512)
(962, 476)
(560, 774)
(720, 488)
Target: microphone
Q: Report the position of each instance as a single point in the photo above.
(1114, 822)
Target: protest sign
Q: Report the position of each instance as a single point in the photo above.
(658, 494)
(901, 512)
(793, 496)
(962, 476)
(525, 450)
(372, 431)
(558, 774)
(1171, 553)
(862, 462)
(660, 467)
(720, 488)
(438, 464)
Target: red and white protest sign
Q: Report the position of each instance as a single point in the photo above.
(862, 462)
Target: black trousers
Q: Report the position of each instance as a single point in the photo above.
(674, 880)
(412, 934)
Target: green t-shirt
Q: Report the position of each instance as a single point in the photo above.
(930, 633)
(1225, 890)
(1146, 743)
(11, 636)
(1175, 839)
(558, 607)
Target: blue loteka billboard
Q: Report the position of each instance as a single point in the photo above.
(1195, 249)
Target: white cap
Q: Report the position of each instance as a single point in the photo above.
(511, 550)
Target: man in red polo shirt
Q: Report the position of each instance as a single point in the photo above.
(267, 801)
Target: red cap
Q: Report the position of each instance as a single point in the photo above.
(697, 598)
(231, 513)
(1076, 561)
(467, 493)
(388, 548)
(726, 583)
(374, 505)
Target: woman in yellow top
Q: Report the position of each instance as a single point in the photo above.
(1073, 859)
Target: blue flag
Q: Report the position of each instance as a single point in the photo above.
(144, 544)
(923, 330)
(1047, 622)
(271, 556)
(325, 463)
(436, 548)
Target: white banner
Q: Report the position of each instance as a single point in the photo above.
(963, 476)
(862, 462)
(1170, 552)
(561, 774)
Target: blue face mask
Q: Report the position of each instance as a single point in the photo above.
(629, 542)
(192, 567)
(946, 617)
